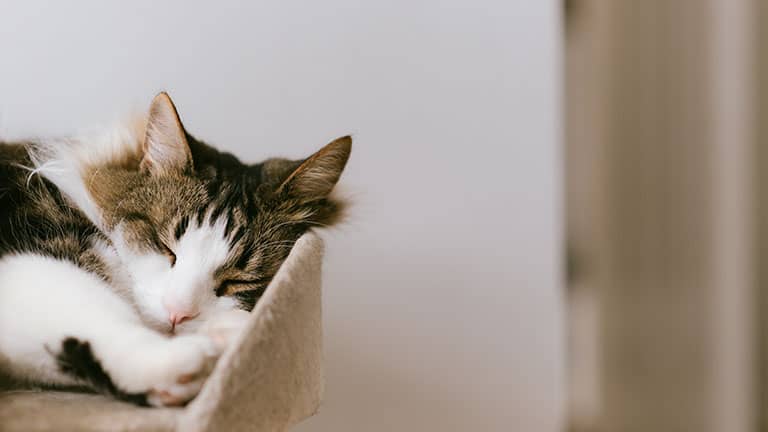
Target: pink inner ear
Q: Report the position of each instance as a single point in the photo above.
(316, 177)
(165, 143)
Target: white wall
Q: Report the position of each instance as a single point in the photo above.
(442, 299)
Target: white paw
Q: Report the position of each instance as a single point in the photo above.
(181, 370)
(225, 327)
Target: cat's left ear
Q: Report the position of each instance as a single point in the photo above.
(165, 144)
(316, 176)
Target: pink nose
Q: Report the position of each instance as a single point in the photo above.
(176, 318)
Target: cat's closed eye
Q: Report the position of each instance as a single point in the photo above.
(233, 286)
(168, 252)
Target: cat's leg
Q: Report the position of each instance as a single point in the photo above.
(62, 325)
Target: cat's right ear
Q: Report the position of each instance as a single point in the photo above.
(165, 144)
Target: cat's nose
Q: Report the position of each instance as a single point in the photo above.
(177, 317)
(179, 312)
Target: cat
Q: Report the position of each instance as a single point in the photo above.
(129, 259)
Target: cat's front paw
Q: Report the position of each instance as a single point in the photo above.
(181, 373)
(225, 327)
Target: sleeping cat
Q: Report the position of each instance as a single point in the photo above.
(128, 260)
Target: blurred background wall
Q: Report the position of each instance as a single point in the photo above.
(443, 293)
(662, 148)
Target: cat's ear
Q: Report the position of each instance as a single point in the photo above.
(165, 143)
(315, 178)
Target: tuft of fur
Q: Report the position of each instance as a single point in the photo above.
(66, 162)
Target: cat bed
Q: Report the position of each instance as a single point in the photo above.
(269, 379)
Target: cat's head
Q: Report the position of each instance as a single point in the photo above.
(200, 232)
